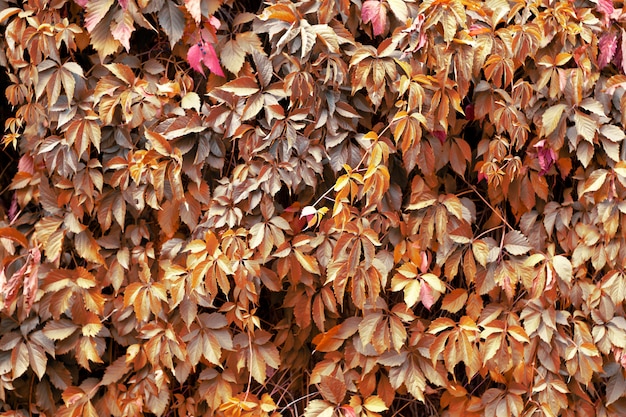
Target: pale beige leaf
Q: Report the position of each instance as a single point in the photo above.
(551, 118)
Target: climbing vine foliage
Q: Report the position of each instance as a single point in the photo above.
(331, 208)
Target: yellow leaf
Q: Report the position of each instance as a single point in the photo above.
(455, 300)
(88, 248)
(434, 282)
(158, 142)
(319, 408)
(481, 252)
(551, 118)
(374, 404)
(595, 181)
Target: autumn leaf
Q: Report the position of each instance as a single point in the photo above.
(165, 241)
(95, 12)
(312, 215)
(606, 8)
(546, 156)
(516, 243)
(122, 28)
(203, 53)
(172, 20)
(375, 11)
(194, 9)
(607, 45)
(426, 295)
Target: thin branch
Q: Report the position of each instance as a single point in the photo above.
(488, 204)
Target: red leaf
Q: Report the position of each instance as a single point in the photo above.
(426, 295)
(14, 235)
(469, 112)
(376, 12)
(607, 46)
(440, 134)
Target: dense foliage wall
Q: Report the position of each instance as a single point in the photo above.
(336, 208)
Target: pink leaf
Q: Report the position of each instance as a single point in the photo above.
(13, 209)
(376, 12)
(13, 285)
(417, 37)
(622, 61)
(123, 3)
(31, 281)
(545, 155)
(122, 30)
(309, 212)
(348, 411)
(215, 22)
(193, 7)
(211, 61)
(82, 3)
(620, 356)
(203, 52)
(194, 57)
(607, 46)
(507, 287)
(426, 295)
(26, 164)
(606, 8)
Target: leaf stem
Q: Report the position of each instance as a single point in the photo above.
(323, 196)
(304, 397)
(497, 213)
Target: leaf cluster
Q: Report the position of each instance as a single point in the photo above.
(370, 208)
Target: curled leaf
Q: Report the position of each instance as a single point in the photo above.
(312, 215)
